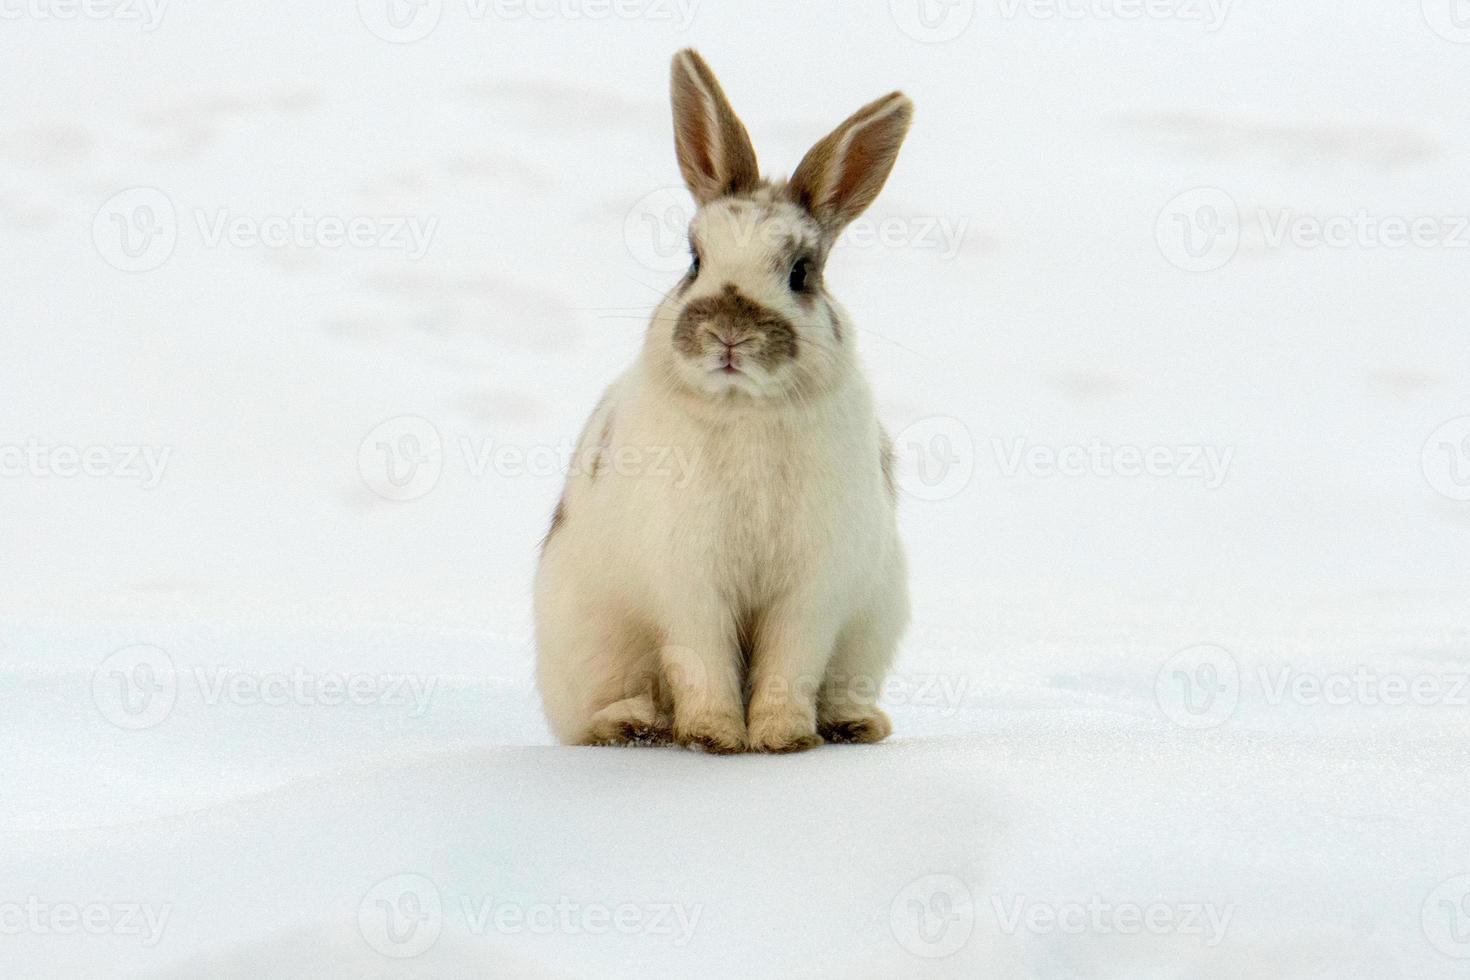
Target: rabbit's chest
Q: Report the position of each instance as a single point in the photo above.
(762, 514)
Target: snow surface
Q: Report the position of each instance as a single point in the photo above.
(1114, 755)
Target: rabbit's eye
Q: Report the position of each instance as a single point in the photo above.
(693, 264)
(799, 273)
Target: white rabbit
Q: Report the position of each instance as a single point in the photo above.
(724, 568)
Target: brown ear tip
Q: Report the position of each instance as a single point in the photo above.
(686, 56)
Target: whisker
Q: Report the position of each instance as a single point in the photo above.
(660, 293)
(905, 347)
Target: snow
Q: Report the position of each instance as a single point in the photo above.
(1209, 723)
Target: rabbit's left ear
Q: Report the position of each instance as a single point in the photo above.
(843, 173)
(714, 149)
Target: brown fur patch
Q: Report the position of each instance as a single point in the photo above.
(743, 316)
(886, 460)
(558, 518)
(856, 731)
(604, 446)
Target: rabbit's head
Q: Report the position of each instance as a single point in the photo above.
(751, 319)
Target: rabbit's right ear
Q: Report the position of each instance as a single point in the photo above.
(715, 154)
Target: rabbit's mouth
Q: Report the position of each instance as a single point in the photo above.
(728, 361)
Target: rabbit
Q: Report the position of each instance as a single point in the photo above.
(751, 597)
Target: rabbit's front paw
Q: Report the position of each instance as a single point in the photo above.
(782, 732)
(719, 734)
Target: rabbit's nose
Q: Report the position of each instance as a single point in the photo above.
(724, 335)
